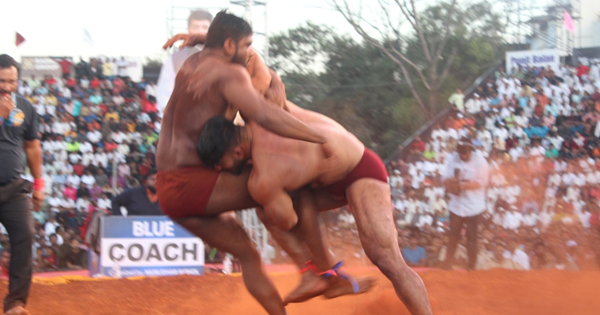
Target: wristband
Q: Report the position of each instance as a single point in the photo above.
(39, 184)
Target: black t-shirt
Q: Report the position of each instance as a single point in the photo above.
(24, 127)
(76, 258)
(136, 201)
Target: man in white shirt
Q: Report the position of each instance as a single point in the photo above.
(88, 179)
(512, 219)
(54, 203)
(473, 105)
(198, 23)
(101, 159)
(85, 147)
(94, 136)
(67, 203)
(104, 203)
(395, 179)
(82, 204)
(74, 180)
(516, 254)
(465, 176)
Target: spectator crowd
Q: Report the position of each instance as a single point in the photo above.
(539, 130)
(98, 130)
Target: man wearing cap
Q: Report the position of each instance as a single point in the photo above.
(465, 176)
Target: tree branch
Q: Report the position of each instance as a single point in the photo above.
(419, 31)
(447, 67)
(446, 36)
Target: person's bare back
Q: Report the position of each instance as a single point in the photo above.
(302, 162)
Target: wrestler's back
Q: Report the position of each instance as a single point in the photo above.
(195, 99)
(302, 162)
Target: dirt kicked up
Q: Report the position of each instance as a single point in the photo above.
(498, 292)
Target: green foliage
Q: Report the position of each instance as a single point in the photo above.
(359, 86)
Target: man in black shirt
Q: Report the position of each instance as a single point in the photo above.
(139, 200)
(18, 135)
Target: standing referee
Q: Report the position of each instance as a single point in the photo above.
(466, 177)
(18, 135)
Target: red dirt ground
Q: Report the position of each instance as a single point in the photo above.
(494, 292)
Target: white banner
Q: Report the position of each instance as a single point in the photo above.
(147, 246)
(152, 252)
(534, 58)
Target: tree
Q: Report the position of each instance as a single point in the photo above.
(351, 82)
(436, 36)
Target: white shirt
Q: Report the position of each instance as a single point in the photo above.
(50, 228)
(74, 180)
(85, 147)
(54, 203)
(74, 158)
(519, 257)
(546, 218)
(470, 202)
(122, 65)
(82, 204)
(104, 203)
(67, 203)
(94, 136)
(425, 219)
(88, 180)
(530, 219)
(554, 179)
(101, 159)
(512, 220)
(515, 153)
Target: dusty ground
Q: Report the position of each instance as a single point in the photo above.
(461, 293)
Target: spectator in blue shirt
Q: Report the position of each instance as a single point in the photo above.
(414, 255)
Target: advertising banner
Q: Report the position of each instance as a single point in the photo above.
(147, 246)
(40, 66)
(534, 58)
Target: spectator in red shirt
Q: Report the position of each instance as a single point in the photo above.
(65, 65)
(71, 83)
(418, 145)
(111, 146)
(78, 169)
(95, 83)
(118, 85)
(582, 70)
(149, 107)
(50, 80)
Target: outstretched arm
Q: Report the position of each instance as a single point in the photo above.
(237, 89)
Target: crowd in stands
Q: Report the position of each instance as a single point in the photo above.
(539, 130)
(98, 130)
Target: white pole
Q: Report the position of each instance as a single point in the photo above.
(266, 52)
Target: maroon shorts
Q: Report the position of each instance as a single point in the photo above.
(370, 166)
(185, 191)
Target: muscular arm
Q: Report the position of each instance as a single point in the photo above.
(277, 204)
(237, 89)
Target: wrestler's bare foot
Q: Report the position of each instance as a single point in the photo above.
(339, 286)
(310, 286)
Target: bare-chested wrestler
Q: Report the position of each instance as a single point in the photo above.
(212, 83)
(350, 172)
(316, 275)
